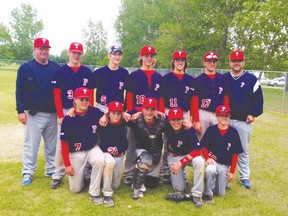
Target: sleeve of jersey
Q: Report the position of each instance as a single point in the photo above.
(205, 153)
(20, 98)
(162, 104)
(92, 98)
(226, 100)
(194, 108)
(195, 153)
(257, 108)
(65, 153)
(58, 102)
(233, 163)
(129, 101)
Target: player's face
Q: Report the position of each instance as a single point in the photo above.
(237, 65)
(75, 58)
(115, 116)
(149, 114)
(176, 124)
(81, 104)
(179, 65)
(41, 54)
(210, 66)
(116, 57)
(148, 61)
(223, 120)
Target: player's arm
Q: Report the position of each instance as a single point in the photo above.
(65, 154)
(194, 109)
(162, 104)
(231, 173)
(58, 104)
(184, 161)
(129, 101)
(20, 97)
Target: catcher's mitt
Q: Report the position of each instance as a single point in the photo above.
(176, 197)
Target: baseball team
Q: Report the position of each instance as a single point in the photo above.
(99, 127)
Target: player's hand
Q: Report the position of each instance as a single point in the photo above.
(197, 127)
(126, 116)
(69, 171)
(160, 113)
(60, 121)
(187, 124)
(22, 117)
(250, 119)
(175, 167)
(210, 161)
(103, 121)
(71, 112)
(136, 116)
(230, 177)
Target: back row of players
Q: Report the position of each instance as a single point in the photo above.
(196, 99)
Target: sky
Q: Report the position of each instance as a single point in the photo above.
(64, 20)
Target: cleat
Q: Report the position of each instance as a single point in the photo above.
(98, 200)
(108, 201)
(27, 179)
(208, 199)
(55, 183)
(246, 183)
(197, 201)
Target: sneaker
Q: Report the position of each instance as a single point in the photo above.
(128, 181)
(55, 183)
(143, 188)
(96, 199)
(137, 193)
(27, 179)
(49, 174)
(246, 183)
(197, 201)
(208, 198)
(108, 201)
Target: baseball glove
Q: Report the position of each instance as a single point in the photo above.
(176, 197)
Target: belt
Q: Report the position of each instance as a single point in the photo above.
(174, 155)
(119, 155)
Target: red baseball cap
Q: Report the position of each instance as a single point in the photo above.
(179, 54)
(150, 103)
(115, 106)
(41, 42)
(175, 113)
(147, 50)
(76, 47)
(223, 110)
(82, 93)
(237, 55)
(211, 56)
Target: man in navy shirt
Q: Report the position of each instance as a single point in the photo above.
(246, 102)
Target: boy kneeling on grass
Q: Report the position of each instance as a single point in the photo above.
(220, 147)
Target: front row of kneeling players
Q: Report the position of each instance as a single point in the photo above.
(220, 147)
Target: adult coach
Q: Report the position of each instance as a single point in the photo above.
(109, 80)
(36, 109)
(142, 83)
(79, 137)
(211, 90)
(66, 79)
(177, 89)
(246, 102)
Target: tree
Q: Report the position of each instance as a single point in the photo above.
(5, 43)
(25, 27)
(95, 38)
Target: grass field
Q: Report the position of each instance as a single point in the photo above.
(268, 153)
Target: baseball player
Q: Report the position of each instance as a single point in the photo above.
(36, 109)
(211, 90)
(109, 80)
(176, 91)
(142, 83)
(148, 131)
(246, 101)
(220, 147)
(79, 137)
(184, 149)
(114, 144)
(67, 78)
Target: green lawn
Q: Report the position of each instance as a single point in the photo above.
(268, 153)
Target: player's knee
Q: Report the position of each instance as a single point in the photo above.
(199, 164)
(210, 170)
(144, 161)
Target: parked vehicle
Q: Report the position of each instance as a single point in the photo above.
(279, 81)
(264, 81)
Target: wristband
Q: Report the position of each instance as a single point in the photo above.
(185, 160)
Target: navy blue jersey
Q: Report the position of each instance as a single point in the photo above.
(114, 136)
(183, 142)
(211, 92)
(67, 80)
(109, 84)
(81, 132)
(221, 147)
(137, 83)
(246, 96)
(177, 93)
(33, 87)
